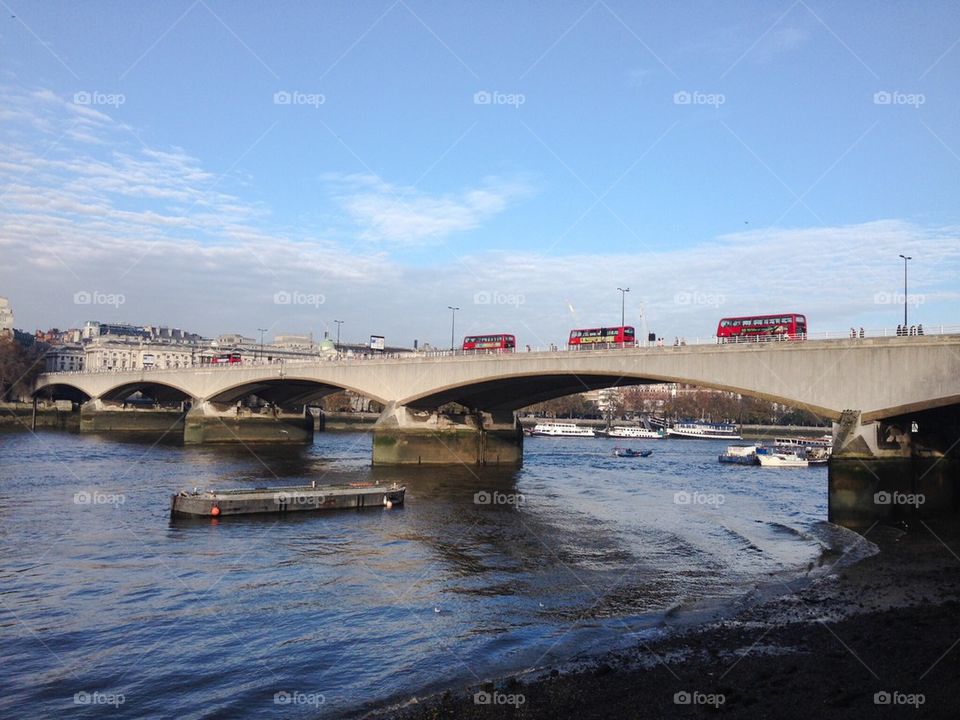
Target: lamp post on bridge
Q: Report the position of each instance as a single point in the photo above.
(261, 331)
(623, 302)
(337, 346)
(905, 259)
(453, 325)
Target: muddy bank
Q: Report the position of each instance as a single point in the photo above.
(880, 638)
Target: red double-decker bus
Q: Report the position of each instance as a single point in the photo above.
(760, 328)
(230, 357)
(490, 343)
(623, 335)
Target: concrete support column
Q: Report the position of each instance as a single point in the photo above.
(404, 436)
(208, 422)
(896, 469)
(98, 415)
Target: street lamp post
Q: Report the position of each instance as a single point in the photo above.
(261, 331)
(623, 302)
(905, 258)
(453, 325)
(339, 323)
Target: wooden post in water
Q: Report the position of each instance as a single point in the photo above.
(33, 417)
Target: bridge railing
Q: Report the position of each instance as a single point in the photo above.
(850, 334)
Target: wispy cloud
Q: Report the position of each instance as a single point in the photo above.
(403, 215)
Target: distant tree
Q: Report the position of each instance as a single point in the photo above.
(571, 406)
(801, 416)
(19, 367)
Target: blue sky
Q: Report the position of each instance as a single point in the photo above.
(227, 166)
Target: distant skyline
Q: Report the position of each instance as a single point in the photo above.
(222, 168)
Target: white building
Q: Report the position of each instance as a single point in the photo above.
(6, 317)
(105, 353)
(65, 358)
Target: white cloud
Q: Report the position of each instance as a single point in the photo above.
(406, 216)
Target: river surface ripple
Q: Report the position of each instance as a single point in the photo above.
(109, 608)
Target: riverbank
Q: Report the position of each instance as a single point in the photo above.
(879, 638)
(21, 416)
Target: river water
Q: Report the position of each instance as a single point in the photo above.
(108, 608)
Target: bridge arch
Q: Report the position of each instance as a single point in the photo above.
(512, 392)
(159, 391)
(288, 390)
(62, 391)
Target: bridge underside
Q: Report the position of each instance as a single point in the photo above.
(511, 394)
(62, 391)
(156, 391)
(281, 392)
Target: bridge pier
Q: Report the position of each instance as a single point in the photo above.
(99, 415)
(208, 422)
(897, 469)
(404, 436)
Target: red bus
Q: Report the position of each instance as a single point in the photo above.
(226, 358)
(761, 328)
(624, 335)
(490, 343)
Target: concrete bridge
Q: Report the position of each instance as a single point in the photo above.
(877, 378)
(895, 403)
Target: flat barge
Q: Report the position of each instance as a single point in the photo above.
(299, 498)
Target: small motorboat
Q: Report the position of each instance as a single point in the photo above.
(781, 459)
(631, 453)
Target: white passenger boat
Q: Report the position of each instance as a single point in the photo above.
(560, 429)
(778, 459)
(626, 431)
(824, 441)
(704, 431)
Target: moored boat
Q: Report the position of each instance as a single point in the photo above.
(824, 441)
(561, 429)
(704, 431)
(628, 431)
(781, 460)
(249, 501)
(818, 455)
(740, 455)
